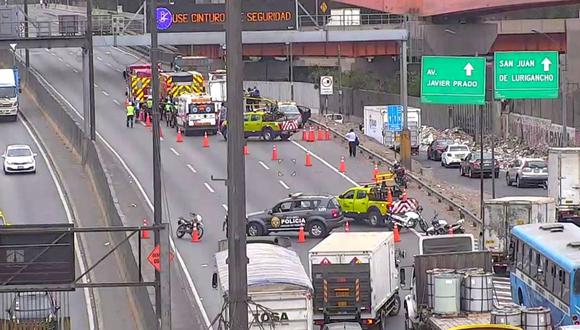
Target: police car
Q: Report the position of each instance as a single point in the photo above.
(317, 214)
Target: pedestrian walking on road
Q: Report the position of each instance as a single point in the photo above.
(352, 142)
(130, 115)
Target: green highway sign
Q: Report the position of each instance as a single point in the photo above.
(526, 75)
(453, 80)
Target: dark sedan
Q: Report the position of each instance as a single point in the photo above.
(316, 214)
(472, 166)
(437, 148)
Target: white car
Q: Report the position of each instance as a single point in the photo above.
(19, 159)
(454, 154)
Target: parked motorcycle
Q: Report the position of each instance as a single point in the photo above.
(407, 220)
(441, 227)
(185, 226)
(400, 175)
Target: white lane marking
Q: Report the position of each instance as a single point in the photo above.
(96, 86)
(126, 53)
(47, 50)
(60, 59)
(119, 70)
(284, 184)
(180, 259)
(105, 93)
(67, 65)
(225, 207)
(264, 165)
(116, 102)
(99, 58)
(109, 65)
(174, 151)
(346, 177)
(191, 168)
(75, 70)
(69, 218)
(208, 187)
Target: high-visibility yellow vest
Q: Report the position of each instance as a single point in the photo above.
(149, 104)
(130, 110)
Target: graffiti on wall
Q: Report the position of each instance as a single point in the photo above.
(538, 131)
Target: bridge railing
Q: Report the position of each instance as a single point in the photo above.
(348, 20)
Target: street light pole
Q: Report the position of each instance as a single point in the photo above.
(236, 180)
(405, 145)
(161, 238)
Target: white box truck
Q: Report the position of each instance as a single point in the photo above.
(9, 92)
(278, 287)
(502, 214)
(376, 124)
(355, 278)
(564, 183)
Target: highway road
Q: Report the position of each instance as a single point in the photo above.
(34, 199)
(187, 167)
(452, 177)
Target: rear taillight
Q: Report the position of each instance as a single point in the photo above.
(368, 322)
(335, 213)
(526, 169)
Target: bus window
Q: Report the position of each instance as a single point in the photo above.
(566, 287)
(520, 255)
(550, 276)
(527, 259)
(534, 263)
(577, 282)
(558, 282)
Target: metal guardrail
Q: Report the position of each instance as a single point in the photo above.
(464, 213)
(348, 20)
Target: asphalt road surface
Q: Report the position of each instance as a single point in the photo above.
(452, 177)
(187, 167)
(34, 199)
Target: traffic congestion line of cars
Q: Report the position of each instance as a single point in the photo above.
(520, 173)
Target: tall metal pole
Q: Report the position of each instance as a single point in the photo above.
(91, 90)
(340, 108)
(481, 172)
(564, 93)
(236, 181)
(162, 287)
(405, 145)
(26, 52)
(291, 73)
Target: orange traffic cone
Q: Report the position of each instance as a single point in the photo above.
(311, 136)
(404, 198)
(141, 114)
(396, 234)
(376, 171)
(320, 134)
(195, 235)
(327, 138)
(304, 135)
(274, 152)
(148, 121)
(160, 132)
(389, 197)
(301, 238)
(342, 167)
(205, 140)
(246, 151)
(179, 136)
(145, 233)
(347, 227)
(308, 159)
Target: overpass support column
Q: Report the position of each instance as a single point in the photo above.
(406, 136)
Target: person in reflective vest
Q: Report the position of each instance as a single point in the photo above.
(149, 105)
(130, 115)
(168, 112)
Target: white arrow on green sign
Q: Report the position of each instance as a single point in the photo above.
(526, 75)
(453, 80)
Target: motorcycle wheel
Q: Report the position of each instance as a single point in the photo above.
(180, 231)
(460, 231)
(200, 231)
(441, 231)
(412, 224)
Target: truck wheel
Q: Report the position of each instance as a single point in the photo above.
(396, 306)
(268, 134)
(375, 218)
(518, 182)
(317, 229)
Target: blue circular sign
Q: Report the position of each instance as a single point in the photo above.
(164, 18)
